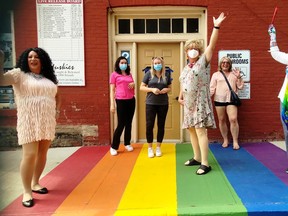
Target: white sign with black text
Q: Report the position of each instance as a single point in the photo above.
(240, 59)
(61, 33)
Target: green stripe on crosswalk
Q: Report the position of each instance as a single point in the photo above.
(204, 194)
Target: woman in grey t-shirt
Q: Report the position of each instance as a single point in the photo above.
(157, 84)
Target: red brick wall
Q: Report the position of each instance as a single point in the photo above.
(87, 105)
(244, 29)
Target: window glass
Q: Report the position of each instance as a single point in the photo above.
(164, 26)
(154, 26)
(6, 45)
(138, 26)
(151, 26)
(177, 25)
(192, 25)
(124, 26)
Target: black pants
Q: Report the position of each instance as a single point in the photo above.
(151, 112)
(125, 113)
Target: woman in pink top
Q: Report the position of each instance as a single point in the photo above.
(122, 93)
(223, 105)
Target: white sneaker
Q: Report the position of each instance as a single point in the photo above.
(158, 152)
(150, 153)
(113, 152)
(129, 148)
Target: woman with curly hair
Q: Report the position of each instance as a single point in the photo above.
(37, 99)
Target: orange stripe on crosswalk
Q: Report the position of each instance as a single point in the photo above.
(101, 190)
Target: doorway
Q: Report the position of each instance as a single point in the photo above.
(171, 54)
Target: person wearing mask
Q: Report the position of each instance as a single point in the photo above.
(157, 84)
(194, 96)
(224, 107)
(281, 57)
(38, 105)
(122, 88)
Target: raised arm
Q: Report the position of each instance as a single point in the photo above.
(274, 49)
(214, 37)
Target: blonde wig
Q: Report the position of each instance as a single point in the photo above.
(196, 44)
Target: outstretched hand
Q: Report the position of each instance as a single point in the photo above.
(217, 22)
(237, 72)
(271, 29)
(272, 32)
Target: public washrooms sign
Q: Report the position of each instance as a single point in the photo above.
(240, 59)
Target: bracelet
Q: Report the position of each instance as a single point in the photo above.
(216, 27)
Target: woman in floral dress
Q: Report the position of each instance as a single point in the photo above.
(195, 97)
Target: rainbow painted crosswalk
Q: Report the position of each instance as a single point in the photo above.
(250, 181)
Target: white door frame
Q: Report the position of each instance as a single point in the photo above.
(118, 42)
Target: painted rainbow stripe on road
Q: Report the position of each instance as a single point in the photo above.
(249, 181)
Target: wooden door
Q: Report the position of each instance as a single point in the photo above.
(171, 54)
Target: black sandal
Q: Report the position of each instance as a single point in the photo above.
(206, 169)
(192, 162)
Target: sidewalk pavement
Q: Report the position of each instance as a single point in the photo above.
(11, 186)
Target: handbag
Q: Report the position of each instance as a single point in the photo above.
(234, 97)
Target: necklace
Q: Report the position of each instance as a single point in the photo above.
(36, 76)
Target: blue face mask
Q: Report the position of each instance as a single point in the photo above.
(123, 67)
(157, 67)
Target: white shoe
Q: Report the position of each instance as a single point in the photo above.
(150, 153)
(158, 152)
(129, 148)
(113, 152)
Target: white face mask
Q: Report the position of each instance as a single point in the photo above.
(193, 53)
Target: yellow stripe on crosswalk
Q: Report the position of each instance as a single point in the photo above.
(151, 189)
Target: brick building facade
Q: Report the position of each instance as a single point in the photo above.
(86, 117)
